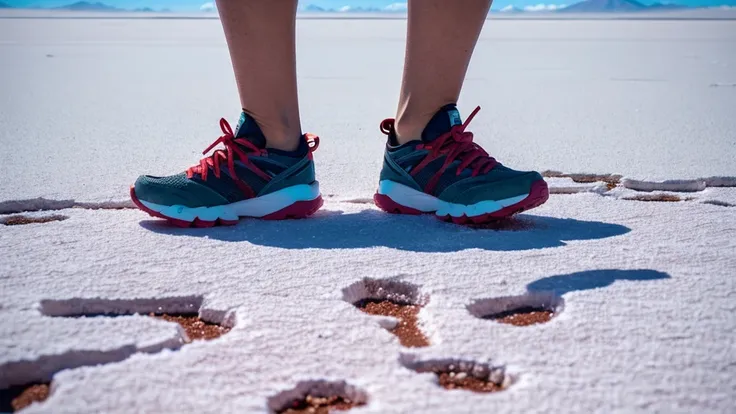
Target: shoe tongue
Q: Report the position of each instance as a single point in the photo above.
(446, 118)
(249, 129)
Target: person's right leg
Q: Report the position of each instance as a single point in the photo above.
(431, 164)
(441, 37)
(266, 168)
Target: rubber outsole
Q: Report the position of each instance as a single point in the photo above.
(538, 195)
(298, 210)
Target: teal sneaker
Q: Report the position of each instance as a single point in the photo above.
(242, 180)
(446, 173)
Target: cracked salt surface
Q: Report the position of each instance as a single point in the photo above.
(648, 287)
(622, 327)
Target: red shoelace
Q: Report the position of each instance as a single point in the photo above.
(456, 144)
(234, 147)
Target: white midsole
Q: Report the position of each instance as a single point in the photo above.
(254, 207)
(426, 203)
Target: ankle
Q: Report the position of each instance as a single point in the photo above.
(282, 133)
(411, 122)
(282, 139)
(407, 129)
(301, 150)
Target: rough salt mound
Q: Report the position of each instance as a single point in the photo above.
(666, 185)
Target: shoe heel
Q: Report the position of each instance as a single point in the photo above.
(388, 205)
(298, 210)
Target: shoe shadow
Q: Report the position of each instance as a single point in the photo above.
(591, 279)
(372, 228)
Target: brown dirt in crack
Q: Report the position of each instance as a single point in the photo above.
(319, 405)
(611, 180)
(523, 317)
(585, 178)
(407, 329)
(195, 328)
(526, 319)
(17, 398)
(20, 220)
(658, 197)
(453, 381)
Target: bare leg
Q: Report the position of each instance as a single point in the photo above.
(441, 37)
(261, 38)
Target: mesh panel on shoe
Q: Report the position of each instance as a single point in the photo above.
(178, 181)
(450, 177)
(223, 185)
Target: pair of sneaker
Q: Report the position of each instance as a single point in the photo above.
(444, 172)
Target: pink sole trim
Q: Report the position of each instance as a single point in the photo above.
(298, 210)
(538, 195)
(388, 205)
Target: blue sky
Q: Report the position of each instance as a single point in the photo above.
(188, 5)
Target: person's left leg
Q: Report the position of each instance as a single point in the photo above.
(431, 163)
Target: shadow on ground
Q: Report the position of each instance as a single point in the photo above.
(591, 279)
(372, 228)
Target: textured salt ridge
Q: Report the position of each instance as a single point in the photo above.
(564, 183)
(103, 306)
(183, 305)
(679, 185)
(568, 186)
(484, 308)
(45, 204)
(714, 190)
(393, 289)
(43, 367)
(24, 364)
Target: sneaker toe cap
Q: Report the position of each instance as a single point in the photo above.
(176, 190)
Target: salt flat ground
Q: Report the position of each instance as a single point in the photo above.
(648, 287)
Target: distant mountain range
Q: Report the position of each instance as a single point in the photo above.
(87, 6)
(587, 6)
(90, 6)
(603, 6)
(396, 7)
